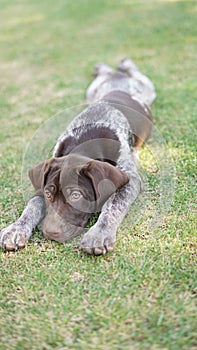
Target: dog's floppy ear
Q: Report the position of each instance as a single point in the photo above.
(46, 171)
(105, 178)
(36, 175)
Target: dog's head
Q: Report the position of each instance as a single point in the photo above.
(74, 187)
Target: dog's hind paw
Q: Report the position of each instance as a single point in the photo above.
(126, 65)
(102, 69)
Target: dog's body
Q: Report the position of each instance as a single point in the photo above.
(93, 166)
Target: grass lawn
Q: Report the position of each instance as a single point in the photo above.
(142, 295)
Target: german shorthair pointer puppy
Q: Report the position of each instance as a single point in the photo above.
(93, 168)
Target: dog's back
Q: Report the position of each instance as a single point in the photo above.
(139, 116)
(129, 91)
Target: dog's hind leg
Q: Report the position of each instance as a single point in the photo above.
(102, 72)
(141, 87)
(102, 69)
(126, 65)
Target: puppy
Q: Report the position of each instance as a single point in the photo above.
(93, 168)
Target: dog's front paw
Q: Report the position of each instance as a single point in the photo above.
(98, 242)
(14, 237)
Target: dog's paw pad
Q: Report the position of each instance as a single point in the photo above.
(96, 242)
(86, 249)
(99, 251)
(13, 238)
(110, 247)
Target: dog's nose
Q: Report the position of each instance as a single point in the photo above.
(52, 230)
(59, 232)
(53, 233)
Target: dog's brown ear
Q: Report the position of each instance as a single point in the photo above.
(36, 175)
(47, 171)
(105, 178)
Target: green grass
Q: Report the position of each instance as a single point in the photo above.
(142, 295)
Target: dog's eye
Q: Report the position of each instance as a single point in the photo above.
(48, 195)
(75, 195)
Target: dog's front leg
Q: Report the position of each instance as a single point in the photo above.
(17, 234)
(101, 237)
